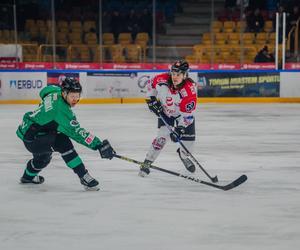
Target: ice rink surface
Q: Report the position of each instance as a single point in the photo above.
(160, 212)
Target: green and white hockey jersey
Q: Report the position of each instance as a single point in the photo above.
(54, 115)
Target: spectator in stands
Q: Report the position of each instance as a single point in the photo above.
(255, 21)
(289, 4)
(230, 9)
(115, 24)
(271, 5)
(291, 22)
(230, 4)
(145, 22)
(119, 23)
(133, 23)
(106, 22)
(280, 10)
(264, 56)
(293, 17)
(123, 21)
(257, 4)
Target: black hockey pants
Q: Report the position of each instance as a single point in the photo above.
(43, 146)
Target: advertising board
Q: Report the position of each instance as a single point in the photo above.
(22, 86)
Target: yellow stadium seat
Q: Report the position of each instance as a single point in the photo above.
(62, 38)
(216, 26)
(221, 38)
(272, 38)
(261, 38)
(233, 38)
(116, 51)
(96, 53)
(142, 39)
(191, 58)
(88, 25)
(228, 26)
(62, 26)
(40, 23)
(248, 38)
(74, 54)
(268, 27)
(124, 38)
(133, 53)
(91, 38)
(7, 36)
(76, 26)
(197, 49)
(240, 26)
(84, 54)
(29, 23)
(108, 38)
(208, 38)
(75, 38)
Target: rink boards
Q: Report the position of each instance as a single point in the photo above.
(107, 86)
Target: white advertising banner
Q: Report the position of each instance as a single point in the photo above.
(27, 85)
(112, 85)
(119, 84)
(8, 52)
(21, 86)
(290, 84)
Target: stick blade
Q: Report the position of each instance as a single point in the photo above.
(236, 182)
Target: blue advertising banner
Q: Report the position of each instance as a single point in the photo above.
(238, 84)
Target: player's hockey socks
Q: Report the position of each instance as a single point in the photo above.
(189, 165)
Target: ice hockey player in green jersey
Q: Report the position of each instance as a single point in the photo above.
(49, 128)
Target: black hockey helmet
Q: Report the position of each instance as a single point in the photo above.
(180, 66)
(71, 85)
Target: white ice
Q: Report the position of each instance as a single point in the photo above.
(161, 211)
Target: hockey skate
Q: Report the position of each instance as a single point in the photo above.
(144, 169)
(36, 180)
(189, 165)
(89, 183)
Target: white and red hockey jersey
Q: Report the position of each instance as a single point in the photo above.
(178, 103)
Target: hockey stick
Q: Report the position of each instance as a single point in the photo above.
(213, 179)
(229, 186)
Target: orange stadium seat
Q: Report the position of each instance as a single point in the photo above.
(216, 26)
(88, 25)
(228, 26)
(233, 38)
(108, 39)
(125, 38)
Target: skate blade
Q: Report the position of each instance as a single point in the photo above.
(96, 188)
(142, 174)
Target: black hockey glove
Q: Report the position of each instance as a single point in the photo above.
(106, 151)
(154, 105)
(177, 133)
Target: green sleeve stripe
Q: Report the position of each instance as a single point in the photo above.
(29, 173)
(75, 162)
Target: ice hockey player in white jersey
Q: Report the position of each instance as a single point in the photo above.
(172, 95)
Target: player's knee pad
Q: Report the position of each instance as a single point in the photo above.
(62, 144)
(161, 139)
(40, 161)
(158, 143)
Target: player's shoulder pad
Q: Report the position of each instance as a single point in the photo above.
(161, 79)
(189, 81)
